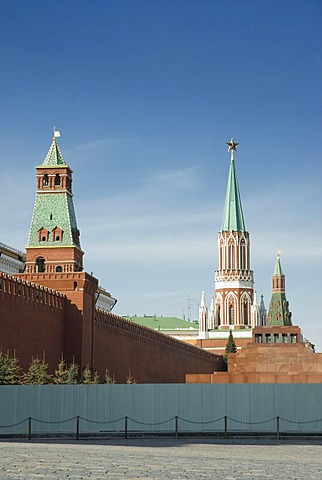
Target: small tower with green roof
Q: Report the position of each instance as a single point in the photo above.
(54, 245)
(234, 286)
(278, 313)
(54, 258)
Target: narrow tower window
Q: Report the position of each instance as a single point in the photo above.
(57, 234)
(43, 235)
(45, 180)
(231, 256)
(57, 179)
(59, 268)
(245, 313)
(40, 265)
(242, 256)
(218, 315)
(231, 315)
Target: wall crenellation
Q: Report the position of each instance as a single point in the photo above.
(31, 292)
(144, 334)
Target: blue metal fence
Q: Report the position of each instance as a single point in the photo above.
(171, 409)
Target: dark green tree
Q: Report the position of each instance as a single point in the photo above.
(130, 379)
(66, 374)
(96, 378)
(108, 378)
(89, 376)
(61, 374)
(230, 346)
(9, 370)
(37, 373)
(15, 371)
(72, 372)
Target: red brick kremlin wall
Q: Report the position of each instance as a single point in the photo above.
(35, 320)
(31, 320)
(151, 356)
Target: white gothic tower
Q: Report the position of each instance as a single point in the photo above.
(234, 285)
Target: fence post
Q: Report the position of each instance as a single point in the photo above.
(125, 427)
(225, 424)
(29, 428)
(176, 425)
(278, 428)
(77, 427)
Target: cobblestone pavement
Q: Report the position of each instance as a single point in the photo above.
(161, 459)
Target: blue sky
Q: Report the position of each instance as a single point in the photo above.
(145, 94)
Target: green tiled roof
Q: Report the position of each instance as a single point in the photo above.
(54, 209)
(233, 218)
(50, 211)
(278, 313)
(54, 156)
(163, 323)
(278, 267)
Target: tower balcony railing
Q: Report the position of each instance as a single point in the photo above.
(233, 275)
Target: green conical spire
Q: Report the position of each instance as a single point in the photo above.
(233, 218)
(54, 220)
(54, 156)
(278, 267)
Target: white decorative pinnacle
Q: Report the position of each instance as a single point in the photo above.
(203, 315)
(212, 314)
(203, 300)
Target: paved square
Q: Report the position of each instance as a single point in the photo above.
(161, 459)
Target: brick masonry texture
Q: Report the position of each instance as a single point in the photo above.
(36, 320)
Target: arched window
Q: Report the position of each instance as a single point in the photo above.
(57, 234)
(231, 315)
(245, 313)
(57, 179)
(40, 265)
(242, 256)
(231, 256)
(59, 268)
(45, 180)
(218, 315)
(43, 235)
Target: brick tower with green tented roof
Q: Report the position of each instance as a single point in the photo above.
(54, 258)
(54, 244)
(234, 285)
(278, 313)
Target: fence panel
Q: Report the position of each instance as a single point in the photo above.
(161, 409)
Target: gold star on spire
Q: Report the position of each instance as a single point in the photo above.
(232, 147)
